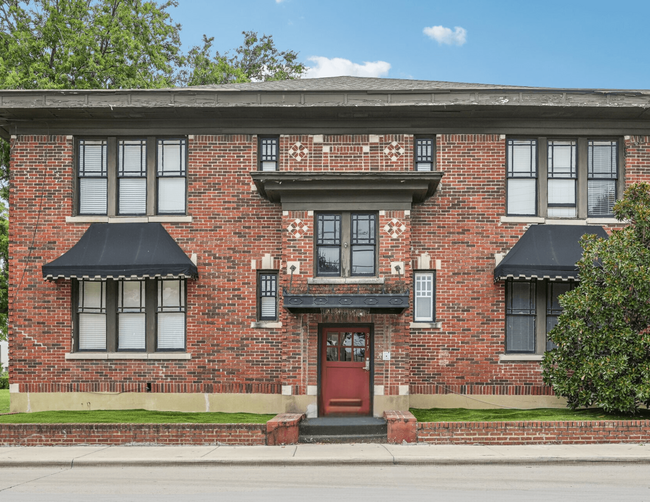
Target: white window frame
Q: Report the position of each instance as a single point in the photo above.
(424, 286)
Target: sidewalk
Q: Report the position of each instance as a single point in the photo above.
(317, 454)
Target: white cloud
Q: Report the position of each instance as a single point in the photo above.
(445, 36)
(336, 67)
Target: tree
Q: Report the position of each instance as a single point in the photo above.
(603, 337)
(256, 60)
(87, 44)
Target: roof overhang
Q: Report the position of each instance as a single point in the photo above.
(546, 252)
(346, 190)
(122, 250)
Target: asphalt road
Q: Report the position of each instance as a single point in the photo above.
(502, 483)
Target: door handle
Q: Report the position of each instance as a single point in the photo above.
(367, 366)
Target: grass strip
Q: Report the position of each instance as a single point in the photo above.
(4, 400)
(507, 415)
(132, 417)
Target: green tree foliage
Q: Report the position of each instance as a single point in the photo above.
(87, 44)
(256, 60)
(603, 338)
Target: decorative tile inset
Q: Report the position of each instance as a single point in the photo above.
(298, 151)
(394, 228)
(394, 151)
(297, 228)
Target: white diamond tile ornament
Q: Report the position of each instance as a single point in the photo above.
(394, 228)
(297, 228)
(394, 151)
(298, 152)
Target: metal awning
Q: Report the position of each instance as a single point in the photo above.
(546, 252)
(122, 250)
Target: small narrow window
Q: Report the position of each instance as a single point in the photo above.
(93, 180)
(328, 244)
(522, 177)
(171, 314)
(131, 315)
(268, 296)
(362, 249)
(424, 154)
(172, 154)
(562, 174)
(424, 304)
(602, 173)
(132, 177)
(268, 155)
(91, 311)
(520, 316)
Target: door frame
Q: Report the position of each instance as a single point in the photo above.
(371, 375)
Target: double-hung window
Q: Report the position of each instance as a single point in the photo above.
(129, 315)
(170, 315)
(563, 178)
(562, 175)
(346, 244)
(424, 296)
(267, 296)
(268, 154)
(93, 176)
(91, 315)
(424, 154)
(532, 311)
(602, 173)
(522, 177)
(131, 177)
(132, 319)
(171, 167)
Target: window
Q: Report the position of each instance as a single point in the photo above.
(129, 315)
(268, 154)
(171, 176)
(267, 296)
(424, 151)
(425, 294)
(131, 177)
(93, 172)
(532, 310)
(562, 178)
(346, 244)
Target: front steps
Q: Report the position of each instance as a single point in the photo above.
(343, 430)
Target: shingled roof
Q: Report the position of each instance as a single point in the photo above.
(333, 84)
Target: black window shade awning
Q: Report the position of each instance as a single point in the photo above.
(122, 250)
(546, 252)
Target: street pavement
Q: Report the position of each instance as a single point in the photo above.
(319, 454)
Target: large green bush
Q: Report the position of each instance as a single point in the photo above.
(4, 381)
(603, 345)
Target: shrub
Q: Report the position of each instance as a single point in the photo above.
(602, 357)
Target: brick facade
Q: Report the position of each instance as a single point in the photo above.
(234, 232)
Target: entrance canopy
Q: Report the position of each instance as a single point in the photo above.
(122, 250)
(546, 252)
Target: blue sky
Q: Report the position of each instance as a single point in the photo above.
(567, 44)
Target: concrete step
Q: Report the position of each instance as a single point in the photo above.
(343, 430)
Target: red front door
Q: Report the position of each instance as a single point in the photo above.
(345, 378)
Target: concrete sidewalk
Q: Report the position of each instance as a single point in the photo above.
(317, 454)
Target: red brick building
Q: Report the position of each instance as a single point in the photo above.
(326, 246)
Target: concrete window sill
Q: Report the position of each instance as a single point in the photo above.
(128, 355)
(520, 358)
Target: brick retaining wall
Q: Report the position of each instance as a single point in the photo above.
(512, 433)
(120, 434)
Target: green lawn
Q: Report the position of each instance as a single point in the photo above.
(4, 400)
(130, 417)
(539, 414)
